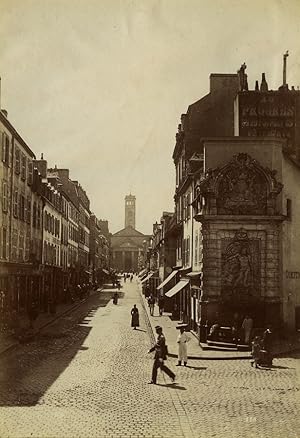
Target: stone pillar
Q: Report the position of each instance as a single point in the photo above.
(211, 263)
(272, 263)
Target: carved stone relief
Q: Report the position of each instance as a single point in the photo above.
(240, 266)
(242, 189)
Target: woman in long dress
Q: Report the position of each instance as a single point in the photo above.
(135, 317)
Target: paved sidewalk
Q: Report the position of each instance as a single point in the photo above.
(282, 347)
(8, 342)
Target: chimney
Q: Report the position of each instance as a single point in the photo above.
(256, 86)
(223, 82)
(4, 112)
(264, 84)
(284, 68)
(63, 173)
(183, 118)
(41, 165)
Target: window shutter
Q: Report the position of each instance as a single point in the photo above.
(17, 169)
(16, 203)
(3, 146)
(30, 172)
(7, 150)
(4, 196)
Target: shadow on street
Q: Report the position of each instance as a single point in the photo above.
(172, 386)
(27, 372)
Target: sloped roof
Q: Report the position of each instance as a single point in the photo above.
(128, 232)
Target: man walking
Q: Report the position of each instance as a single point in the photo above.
(151, 303)
(182, 341)
(247, 326)
(160, 356)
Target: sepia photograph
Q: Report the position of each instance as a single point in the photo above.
(149, 219)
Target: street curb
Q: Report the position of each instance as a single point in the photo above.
(16, 343)
(206, 357)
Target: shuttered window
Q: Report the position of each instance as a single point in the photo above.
(4, 196)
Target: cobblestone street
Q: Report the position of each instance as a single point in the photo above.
(87, 375)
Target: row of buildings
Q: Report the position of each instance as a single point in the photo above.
(50, 241)
(231, 247)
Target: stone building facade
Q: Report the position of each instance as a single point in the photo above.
(238, 206)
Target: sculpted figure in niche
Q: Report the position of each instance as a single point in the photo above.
(243, 275)
(237, 266)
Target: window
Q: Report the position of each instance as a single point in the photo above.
(16, 203)
(14, 244)
(17, 166)
(34, 215)
(39, 214)
(196, 247)
(4, 196)
(188, 206)
(30, 172)
(4, 243)
(5, 148)
(23, 169)
(21, 247)
(183, 251)
(188, 250)
(289, 209)
(28, 211)
(22, 208)
(27, 248)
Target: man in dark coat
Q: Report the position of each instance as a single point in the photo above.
(160, 356)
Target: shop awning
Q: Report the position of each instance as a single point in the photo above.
(177, 288)
(105, 271)
(142, 273)
(166, 280)
(193, 274)
(147, 278)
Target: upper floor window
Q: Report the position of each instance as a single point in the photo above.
(28, 210)
(30, 172)
(188, 206)
(16, 203)
(289, 209)
(4, 243)
(23, 168)
(5, 148)
(22, 208)
(17, 161)
(4, 196)
(34, 215)
(39, 214)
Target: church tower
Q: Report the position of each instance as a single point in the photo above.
(130, 211)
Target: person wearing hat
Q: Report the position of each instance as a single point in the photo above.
(160, 349)
(182, 341)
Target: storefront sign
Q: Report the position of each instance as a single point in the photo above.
(271, 115)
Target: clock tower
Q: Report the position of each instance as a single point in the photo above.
(130, 211)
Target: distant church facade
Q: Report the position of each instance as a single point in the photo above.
(128, 245)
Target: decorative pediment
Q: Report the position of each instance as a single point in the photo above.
(241, 187)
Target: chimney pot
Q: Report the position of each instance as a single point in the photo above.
(264, 84)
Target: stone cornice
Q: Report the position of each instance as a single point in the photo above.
(238, 218)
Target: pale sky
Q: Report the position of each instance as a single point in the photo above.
(98, 86)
